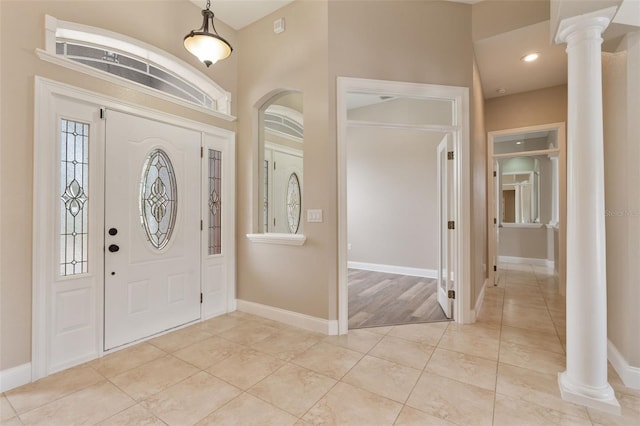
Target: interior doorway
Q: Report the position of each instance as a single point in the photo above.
(386, 116)
(394, 217)
(528, 199)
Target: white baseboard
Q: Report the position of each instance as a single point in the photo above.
(527, 260)
(391, 269)
(479, 300)
(291, 318)
(630, 375)
(14, 377)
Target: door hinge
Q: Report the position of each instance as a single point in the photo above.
(451, 294)
(200, 297)
(450, 155)
(495, 222)
(201, 225)
(274, 165)
(495, 173)
(202, 152)
(274, 222)
(451, 225)
(495, 268)
(102, 113)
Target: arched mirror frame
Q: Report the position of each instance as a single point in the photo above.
(258, 200)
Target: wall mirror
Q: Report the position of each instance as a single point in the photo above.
(527, 170)
(281, 174)
(520, 190)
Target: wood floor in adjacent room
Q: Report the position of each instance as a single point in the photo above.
(380, 299)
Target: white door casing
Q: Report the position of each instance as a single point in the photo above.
(460, 177)
(62, 334)
(150, 286)
(494, 195)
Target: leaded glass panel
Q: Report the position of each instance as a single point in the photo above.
(158, 198)
(265, 200)
(74, 197)
(293, 204)
(215, 210)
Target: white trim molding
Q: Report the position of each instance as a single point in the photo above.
(527, 261)
(275, 238)
(294, 319)
(12, 378)
(630, 375)
(392, 269)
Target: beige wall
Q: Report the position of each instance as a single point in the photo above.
(161, 24)
(392, 191)
(542, 106)
(523, 242)
(286, 277)
(492, 17)
(621, 108)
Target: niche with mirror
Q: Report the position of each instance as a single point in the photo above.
(281, 153)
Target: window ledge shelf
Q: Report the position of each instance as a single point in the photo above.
(282, 239)
(522, 225)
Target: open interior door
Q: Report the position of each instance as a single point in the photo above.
(445, 171)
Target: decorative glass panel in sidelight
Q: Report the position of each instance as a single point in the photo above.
(74, 197)
(215, 202)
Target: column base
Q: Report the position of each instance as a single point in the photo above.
(603, 399)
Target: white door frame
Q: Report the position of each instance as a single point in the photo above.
(492, 197)
(45, 146)
(462, 181)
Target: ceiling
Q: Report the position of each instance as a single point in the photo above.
(240, 13)
(499, 56)
(501, 67)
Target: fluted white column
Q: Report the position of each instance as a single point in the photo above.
(585, 379)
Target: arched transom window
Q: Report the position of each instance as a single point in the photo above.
(131, 62)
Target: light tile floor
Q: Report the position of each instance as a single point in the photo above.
(240, 369)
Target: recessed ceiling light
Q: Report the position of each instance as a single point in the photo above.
(519, 142)
(501, 91)
(530, 57)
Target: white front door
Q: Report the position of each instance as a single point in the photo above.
(445, 267)
(285, 193)
(152, 228)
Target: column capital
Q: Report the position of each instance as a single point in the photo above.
(598, 20)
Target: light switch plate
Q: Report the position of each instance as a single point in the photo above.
(314, 215)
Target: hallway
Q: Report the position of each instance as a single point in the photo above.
(242, 369)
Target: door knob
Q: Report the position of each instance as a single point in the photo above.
(113, 248)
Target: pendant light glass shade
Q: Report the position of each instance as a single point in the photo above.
(207, 46)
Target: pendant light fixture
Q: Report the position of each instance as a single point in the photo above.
(207, 46)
